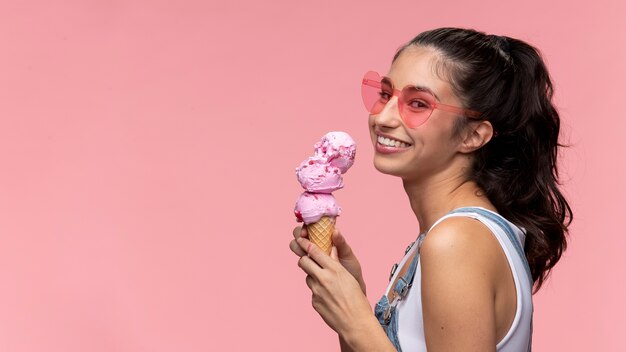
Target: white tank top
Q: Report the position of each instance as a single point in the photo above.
(409, 310)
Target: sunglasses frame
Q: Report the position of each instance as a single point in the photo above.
(370, 81)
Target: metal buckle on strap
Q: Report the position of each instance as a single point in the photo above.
(393, 270)
(404, 287)
(387, 314)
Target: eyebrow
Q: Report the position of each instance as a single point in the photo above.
(418, 87)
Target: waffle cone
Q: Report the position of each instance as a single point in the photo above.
(321, 233)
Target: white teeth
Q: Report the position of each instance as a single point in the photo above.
(391, 143)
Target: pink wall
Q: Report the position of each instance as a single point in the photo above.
(147, 151)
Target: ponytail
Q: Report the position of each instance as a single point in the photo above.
(518, 169)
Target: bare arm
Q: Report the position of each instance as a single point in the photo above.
(458, 286)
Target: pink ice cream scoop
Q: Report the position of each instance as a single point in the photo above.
(311, 207)
(316, 175)
(338, 148)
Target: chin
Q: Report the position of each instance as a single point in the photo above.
(386, 166)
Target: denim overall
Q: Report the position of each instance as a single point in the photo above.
(386, 311)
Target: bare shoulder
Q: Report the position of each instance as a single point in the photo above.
(460, 240)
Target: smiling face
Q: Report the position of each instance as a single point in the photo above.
(431, 147)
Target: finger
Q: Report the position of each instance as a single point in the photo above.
(304, 244)
(296, 231)
(300, 231)
(315, 253)
(343, 249)
(310, 281)
(309, 266)
(295, 247)
(333, 253)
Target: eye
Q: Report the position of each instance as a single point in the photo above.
(418, 104)
(384, 96)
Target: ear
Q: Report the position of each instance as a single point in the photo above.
(477, 135)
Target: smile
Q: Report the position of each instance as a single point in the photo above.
(388, 142)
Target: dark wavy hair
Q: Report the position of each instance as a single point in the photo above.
(507, 80)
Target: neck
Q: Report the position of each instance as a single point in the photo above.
(431, 199)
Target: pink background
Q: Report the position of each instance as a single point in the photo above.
(147, 154)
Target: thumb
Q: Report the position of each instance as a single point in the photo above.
(341, 245)
(338, 239)
(333, 253)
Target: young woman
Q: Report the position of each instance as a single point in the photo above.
(466, 120)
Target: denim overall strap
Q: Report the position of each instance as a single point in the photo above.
(405, 282)
(385, 311)
(388, 320)
(498, 219)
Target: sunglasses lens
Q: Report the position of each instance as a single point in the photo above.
(415, 106)
(371, 93)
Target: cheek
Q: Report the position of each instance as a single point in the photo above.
(371, 125)
(437, 129)
(370, 121)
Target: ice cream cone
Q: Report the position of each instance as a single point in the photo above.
(321, 233)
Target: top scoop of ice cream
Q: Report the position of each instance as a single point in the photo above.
(310, 207)
(338, 148)
(315, 175)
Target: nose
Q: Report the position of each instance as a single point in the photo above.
(389, 116)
